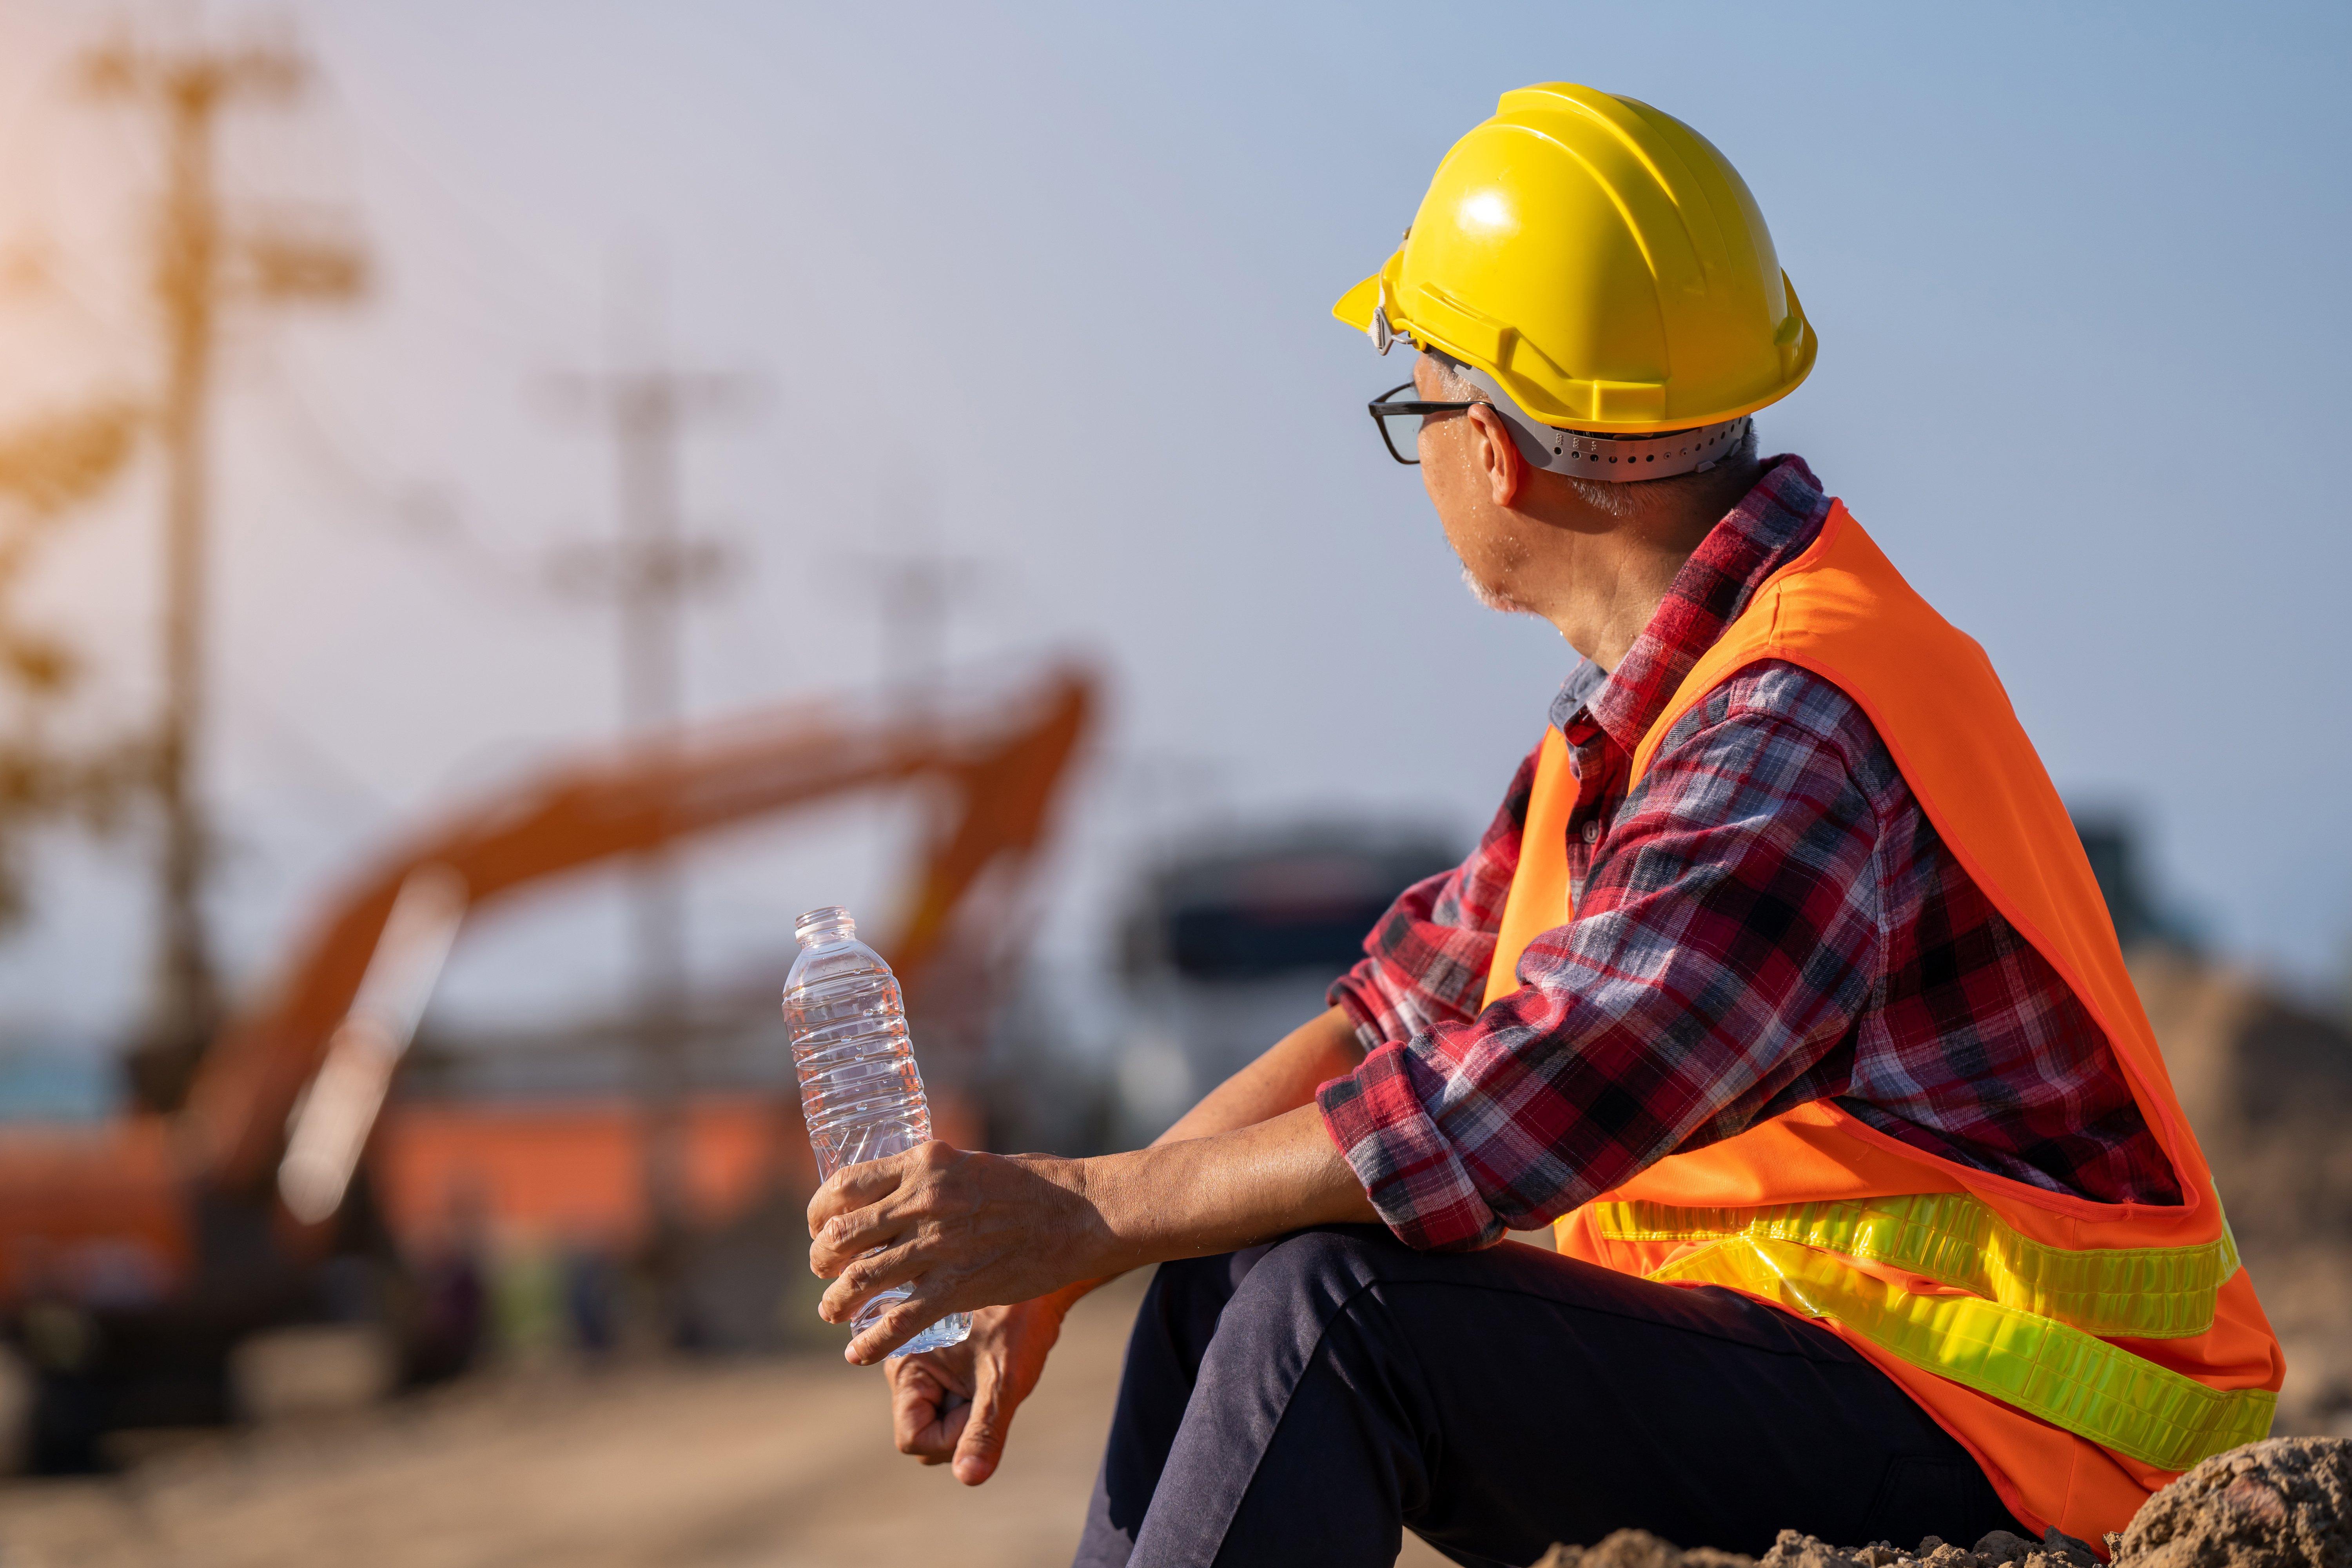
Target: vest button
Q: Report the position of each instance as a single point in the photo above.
(1593, 831)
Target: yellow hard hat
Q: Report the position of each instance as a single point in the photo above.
(1601, 262)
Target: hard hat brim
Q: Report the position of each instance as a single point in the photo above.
(1357, 305)
(1360, 306)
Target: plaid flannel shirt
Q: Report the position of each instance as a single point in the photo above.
(1767, 921)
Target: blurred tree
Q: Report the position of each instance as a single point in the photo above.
(47, 468)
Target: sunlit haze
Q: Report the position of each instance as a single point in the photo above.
(1046, 291)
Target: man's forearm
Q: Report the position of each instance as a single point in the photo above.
(1281, 1079)
(971, 1231)
(1216, 1194)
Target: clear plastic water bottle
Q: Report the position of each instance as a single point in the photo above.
(860, 1092)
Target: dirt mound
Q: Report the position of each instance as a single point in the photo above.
(2268, 1086)
(2283, 1503)
(1640, 1549)
(1998, 1550)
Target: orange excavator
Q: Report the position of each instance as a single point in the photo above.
(158, 1241)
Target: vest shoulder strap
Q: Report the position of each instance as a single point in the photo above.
(1539, 897)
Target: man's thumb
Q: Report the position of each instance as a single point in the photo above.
(982, 1443)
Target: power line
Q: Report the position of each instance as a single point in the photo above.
(415, 513)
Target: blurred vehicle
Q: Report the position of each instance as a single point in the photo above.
(138, 1255)
(1229, 943)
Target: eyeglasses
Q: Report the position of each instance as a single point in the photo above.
(1401, 421)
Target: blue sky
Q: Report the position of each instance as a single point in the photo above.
(1057, 279)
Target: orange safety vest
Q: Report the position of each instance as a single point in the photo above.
(2086, 1353)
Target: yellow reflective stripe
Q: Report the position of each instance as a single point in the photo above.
(2067, 1378)
(2151, 1293)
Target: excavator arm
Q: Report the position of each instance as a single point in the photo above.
(1001, 768)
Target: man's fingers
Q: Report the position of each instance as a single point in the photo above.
(853, 1235)
(863, 1278)
(917, 1403)
(928, 1398)
(952, 1426)
(982, 1444)
(853, 1187)
(901, 1321)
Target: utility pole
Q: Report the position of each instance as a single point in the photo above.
(917, 588)
(650, 571)
(199, 266)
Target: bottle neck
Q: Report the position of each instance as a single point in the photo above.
(820, 927)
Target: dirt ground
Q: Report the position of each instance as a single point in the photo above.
(773, 1463)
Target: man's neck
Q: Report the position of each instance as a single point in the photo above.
(1610, 587)
(1602, 586)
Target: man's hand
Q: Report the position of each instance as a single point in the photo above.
(967, 1230)
(956, 1405)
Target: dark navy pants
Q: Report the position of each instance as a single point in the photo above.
(1307, 1401)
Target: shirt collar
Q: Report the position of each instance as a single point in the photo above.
(1577, 690)
(1773, 524)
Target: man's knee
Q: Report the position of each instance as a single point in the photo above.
(1267, 1294)
(1314, 1274)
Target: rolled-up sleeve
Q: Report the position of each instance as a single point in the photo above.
(1726, 940)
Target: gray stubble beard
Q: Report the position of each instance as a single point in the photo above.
(1492, 598)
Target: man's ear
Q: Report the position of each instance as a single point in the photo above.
(1498, 456)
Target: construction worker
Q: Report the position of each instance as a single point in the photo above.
(1780, 986)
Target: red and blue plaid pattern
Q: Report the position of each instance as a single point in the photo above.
(1768, 920)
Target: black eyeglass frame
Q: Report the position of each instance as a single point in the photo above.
(1388, 405)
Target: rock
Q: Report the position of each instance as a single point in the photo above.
(1795, 1551)
(2003, 1546)
(2067, 1547)
(2285, 1502)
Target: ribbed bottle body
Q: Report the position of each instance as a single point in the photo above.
(861, 1093)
